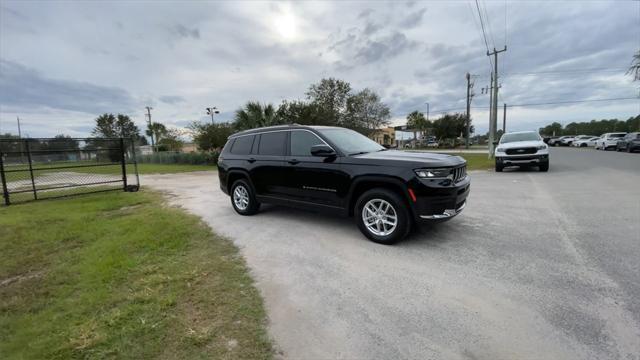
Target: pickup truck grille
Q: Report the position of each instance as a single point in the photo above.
(521, 151)
(459, 173)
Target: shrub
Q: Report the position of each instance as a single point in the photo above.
(172, 157)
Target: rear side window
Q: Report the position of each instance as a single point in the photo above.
(242, 145)
(272, 143)
(302, 141)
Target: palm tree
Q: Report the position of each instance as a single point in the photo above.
(417, 122)
(157, 131)
(635, 66)
(254, 115)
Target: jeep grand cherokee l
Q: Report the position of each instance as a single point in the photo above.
(341, 171)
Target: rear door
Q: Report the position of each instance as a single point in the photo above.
(268, 163)
(312, 179)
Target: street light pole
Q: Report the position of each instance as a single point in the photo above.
(211, 111)
(149, 108)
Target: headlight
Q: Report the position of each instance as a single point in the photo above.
(500, 150)
(433, 173)
(541, 147)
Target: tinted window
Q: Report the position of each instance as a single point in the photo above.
(242, 145)
(302, 141)
(272, 143)
(350, 141)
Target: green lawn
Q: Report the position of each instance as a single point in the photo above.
(122, 275)
(477, 161)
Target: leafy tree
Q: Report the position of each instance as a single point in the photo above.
(209, 136)
(254, 115)
(417, 122)
(110, 126)
(330, 96)
(553, 128)
(634, 70)
(365, 112)
(300, 112)
(170, 140)
(157, 130)
(451, 126)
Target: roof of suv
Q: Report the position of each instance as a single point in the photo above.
(281, 127)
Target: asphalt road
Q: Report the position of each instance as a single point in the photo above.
(538, 266)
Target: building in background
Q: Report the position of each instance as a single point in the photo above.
(385, 136)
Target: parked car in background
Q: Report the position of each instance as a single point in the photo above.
(557, 141)
(567, 140)
(590, 141)
(609, 140)
(524, 148)
(549, 139)
(629, 143)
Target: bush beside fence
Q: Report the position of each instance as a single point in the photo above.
(171, 157)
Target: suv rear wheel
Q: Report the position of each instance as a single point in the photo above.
(243, 199)
(382, 216)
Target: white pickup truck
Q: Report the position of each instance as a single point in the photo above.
(524, 148)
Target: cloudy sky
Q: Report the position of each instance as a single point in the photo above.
(63, 63)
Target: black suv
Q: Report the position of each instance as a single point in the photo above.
(341, 171)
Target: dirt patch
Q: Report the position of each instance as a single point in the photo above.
(21, 277)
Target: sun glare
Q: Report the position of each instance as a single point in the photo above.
(285, 25)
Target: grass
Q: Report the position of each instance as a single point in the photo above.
(121, 275)
(111, 169)
(477, 161)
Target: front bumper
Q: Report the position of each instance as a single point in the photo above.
(446, 214)
(439, 202)
(532, 159)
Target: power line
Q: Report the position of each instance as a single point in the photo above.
(484, 33)
(591, 70)
(486, 16)
(539, 104)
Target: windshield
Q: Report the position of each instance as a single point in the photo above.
(528, 136)
(350, 141)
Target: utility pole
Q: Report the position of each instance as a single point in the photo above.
(469, 95)
(491, 130)
(427, 111)
(494, 118)
(19, 130)
(211, 111)
(149, 108)
(504, 119)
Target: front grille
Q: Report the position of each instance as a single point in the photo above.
(459, 173)
(521, 151)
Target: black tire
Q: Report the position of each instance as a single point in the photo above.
(499, 167)
(544, 167)
(583, 145)
(253, 206)
(628, 148)
(400, 207)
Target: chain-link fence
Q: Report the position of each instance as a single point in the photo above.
(33, 169)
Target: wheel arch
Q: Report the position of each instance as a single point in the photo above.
(364, 183)
(237, 174)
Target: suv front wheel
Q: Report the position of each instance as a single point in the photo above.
(382, 216)
(243, 199)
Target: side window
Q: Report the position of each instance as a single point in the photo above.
(302, 141)
(272, 143)
(242, 145)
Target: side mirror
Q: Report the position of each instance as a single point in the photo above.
(496, 143)
(322, 150)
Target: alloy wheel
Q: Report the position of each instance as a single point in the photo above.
(241, 197)
(379, 217)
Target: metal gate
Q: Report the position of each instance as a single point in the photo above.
(43, 168)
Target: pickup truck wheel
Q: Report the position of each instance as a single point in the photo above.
(499, 167)
(544, 167)
(382, 216)
(243, 199)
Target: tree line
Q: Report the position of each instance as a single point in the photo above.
(593, 127)
(330, 102)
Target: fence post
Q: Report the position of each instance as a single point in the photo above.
(33, 180)
(5, 192)
(124, 165)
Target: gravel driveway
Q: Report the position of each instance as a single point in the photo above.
(538, 266)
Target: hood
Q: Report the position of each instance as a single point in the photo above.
(406, 158)
(520, 144)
